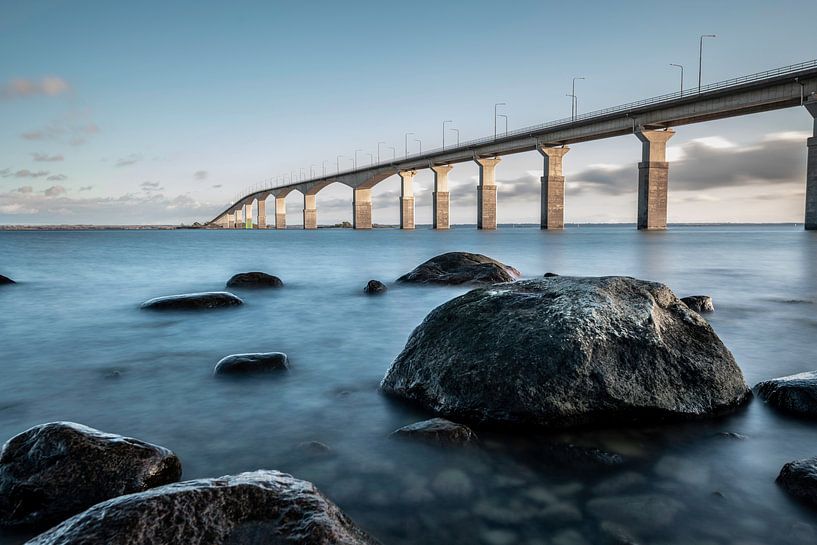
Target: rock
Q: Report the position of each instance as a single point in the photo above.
(647, 512)
(254, 280)
(567, 351)
(375, 287)
(799, 478)
(699, 303)
(262, 508)
(550, 275)
(314, 448)
(193, 301)
(6, 280)
(53, 471)
(795, 394)
(439, 431)
(456, 268)
(576, 456)
(731, 435)
(262, 362)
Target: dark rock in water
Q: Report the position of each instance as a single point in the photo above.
(699, 303)
(314, 448)
(258, 508)
(374, 287)
(799, 478)
(576, 456)
(193, 301)
(252, 363)
(254, 280)
(6, 280)
(731, 435)
(550, 274)
(460, 268)
(438, 430)
(567, 351)
(795, 394)
(53, 471)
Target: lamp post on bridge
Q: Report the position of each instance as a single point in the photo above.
(405, 142)
(337, 163)
(495, 105)
(701, 56)
(444, 122)
(506, 123)
(311, 172)
(420, 142)
(575, 105)
(357, 150)
(378, 151)
(371, 158)
(681, 66)
(393, 153)
(324, 167)
(458, 135)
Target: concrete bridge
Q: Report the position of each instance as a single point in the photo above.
(651, 121)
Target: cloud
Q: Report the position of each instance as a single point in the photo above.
(129, 160)
(24, 189)
(44, 157)
(151, 186)
(54, 191)
(86, 188)
(73, 128)
(24, 173)
(216, 186)
(57, 178)
(24, 88)
(200, 175)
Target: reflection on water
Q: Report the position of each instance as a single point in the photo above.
(75, 346)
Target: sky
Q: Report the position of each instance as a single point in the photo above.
(161, 112)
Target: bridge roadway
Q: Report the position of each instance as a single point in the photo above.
(650, 120)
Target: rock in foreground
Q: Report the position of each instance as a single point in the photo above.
(193, 301)
(254, 280)
(699, 303)
(262, 362)
(53, 471)
(439, 431)
(375, 287)
(258, 508)
(799, 478)
(795, 394)
(6, 280)
(565, 351)
(459, 268)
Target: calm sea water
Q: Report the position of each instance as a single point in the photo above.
(74, 345)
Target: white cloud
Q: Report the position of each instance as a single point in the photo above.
(23, 88)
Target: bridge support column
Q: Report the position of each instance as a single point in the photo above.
(248, 216)
(552, 215)
(229, 220)
(281, 212)
(486, 193)
(407, 198)
(362, 209)
(262, 214)
(653, 177)
(310, 212)
(811, 170)
(239, 218)
(441, 196)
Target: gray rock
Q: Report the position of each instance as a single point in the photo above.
(699, 303)
(314, 448)
(799, 478)
(731, 435)
(261, 362)
(577, 456)
(459, 268)
(6, 280)
(254, 279)
(566, 351)
(258, 508)
(439, 431)
(795, 394)
(193, 301)
(375, 287)
(53, 471)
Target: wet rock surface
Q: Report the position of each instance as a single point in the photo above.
(438, 431)
(259, 508)
(260, 362)
(799, 479)
(455, 268)
(796, 394)
(566, 351)
(53, 471)
(699, 303)
(253, 280)
(6, 280)
(375, 287)
(193, 301)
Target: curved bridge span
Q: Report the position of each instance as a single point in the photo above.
(651, 121)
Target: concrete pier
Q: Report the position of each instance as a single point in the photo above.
(441, 196)
(407, 198)
(811, 169)
(248, 215)
(229, 221)
(552, 215)
(281, 212)
(362, 209)
(653, 177)
(310, 212)
(239, 217)
(486, 193)
(262, 213)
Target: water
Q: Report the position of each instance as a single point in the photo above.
(75, 346)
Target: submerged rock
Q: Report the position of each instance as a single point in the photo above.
(799, 478)
(193, 301)
(460, 268)
(259, 508)
(648, 512)
(53, 471)
(566, 351)
(550, 274)
(6, 280)
(439, 431)
(699, 303)
(254, 280)
(261, 362)
(795, 394)
(375, 287)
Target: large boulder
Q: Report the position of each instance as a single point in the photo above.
(6, 280)
(258, 508)
(53, 471)
(375, 287)
(799, 478)
(438, 431)
(566, 351)
(254, 280)
(699, 303)
(460, 268)
(193, 301)
(796, 394)
(262, 362)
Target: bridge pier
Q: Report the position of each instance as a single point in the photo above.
(229, 220)
(407, 198)
(310, 212)
(281, 212)
(486, 193)
(441, 196)
(262, 214)
(248, 215)
(239, 217)
(653, 177)
(811, 169)
(552, 214)
(362, 209)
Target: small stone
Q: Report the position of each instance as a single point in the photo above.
(261, 362)
(315, 448)
(550, 274)
(452, 483)
(375, 287)
(193, 301)
(731, 435)
(250, 280)
(699, 303)
(438, 431)
(6, 280)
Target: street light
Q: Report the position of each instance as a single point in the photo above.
(371, 158)
(393, 153)
(421, 144)
(357, 150)
(495, 105)
(506, 123)
(681, 66)
(444, 122)
(311, 172)
(458, 134)
(378, 151)
(575, 109)
(324, 167)
(405, 142)
(701, 56)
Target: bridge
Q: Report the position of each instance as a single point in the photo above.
(651, 121)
